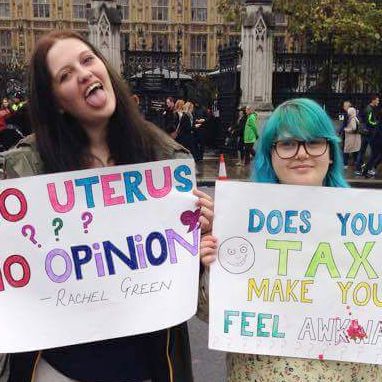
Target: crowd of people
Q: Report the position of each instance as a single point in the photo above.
(14, 123)
(361, 132)
(190, 124)
(81, 109)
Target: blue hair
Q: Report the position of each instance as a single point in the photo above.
(303, 119)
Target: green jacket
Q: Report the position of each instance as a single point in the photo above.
(24, 160)
(250, 129)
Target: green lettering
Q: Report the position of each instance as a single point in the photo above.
(283, 246)
(323, 256)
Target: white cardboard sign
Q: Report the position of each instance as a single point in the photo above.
(298, 272)
(97, 254)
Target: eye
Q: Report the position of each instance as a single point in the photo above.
(243, 249)
(317, 142)
(64, 76)
(287, 143)
(231, 251)
(88, 59)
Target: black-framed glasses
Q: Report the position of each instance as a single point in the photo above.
(288, 148)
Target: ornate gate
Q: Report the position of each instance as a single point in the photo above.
(327, 77)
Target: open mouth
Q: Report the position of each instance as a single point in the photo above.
(95, 95)
(93, 88)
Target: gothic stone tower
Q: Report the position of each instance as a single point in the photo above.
(104, 20)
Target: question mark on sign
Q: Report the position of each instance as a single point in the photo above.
(29, 232)
(87, 218)
(57, 223)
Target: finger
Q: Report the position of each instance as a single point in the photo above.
(208, 244)
(208, 260)
(209, 238)
(205, 203)
(207, 251)
(201, 194)
(207, 213)
(205, 224)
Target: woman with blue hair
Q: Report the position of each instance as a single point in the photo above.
(298, 146)
(296, 130)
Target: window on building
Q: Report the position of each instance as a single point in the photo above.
(280, 18)
(124, 4)
(199, 10)
(279, 44)
(159, 10)
(5, 8)
(160, 41)
(5, 46)
(79, 9)
(41, 8)
(199, 52)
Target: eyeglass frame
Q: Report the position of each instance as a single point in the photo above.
(299, 144)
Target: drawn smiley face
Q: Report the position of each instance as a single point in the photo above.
(236, 255)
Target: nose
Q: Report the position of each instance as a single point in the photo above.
(302, 153)
(84, 75)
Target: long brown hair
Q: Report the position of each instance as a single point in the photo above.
(61, 141)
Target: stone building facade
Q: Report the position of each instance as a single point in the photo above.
(196, 24)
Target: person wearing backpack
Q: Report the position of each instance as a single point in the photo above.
(352, 139)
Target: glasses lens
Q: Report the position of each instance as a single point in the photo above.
(286, 148)
(316, 147)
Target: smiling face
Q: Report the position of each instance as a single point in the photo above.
(302, 169)
(80, 82)
(236, 255)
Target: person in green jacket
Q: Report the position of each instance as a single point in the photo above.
(250, 134)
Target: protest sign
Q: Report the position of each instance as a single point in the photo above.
(298, 272)
(97, 254)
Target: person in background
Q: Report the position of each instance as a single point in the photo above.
(250, 134)
(184, 123)
(84, 117)
(343, 116)
(367, 138)
(352, 137)
(375, 159)
(238, 132)
(298, 146)
(4, 112)
(17, 102)
(169, 116)
(199, 130)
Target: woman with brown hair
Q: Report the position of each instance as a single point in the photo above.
(184, 126)
(83, 116)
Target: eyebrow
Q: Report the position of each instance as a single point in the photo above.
(57, 74)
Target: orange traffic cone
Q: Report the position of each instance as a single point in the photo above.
(222, 170)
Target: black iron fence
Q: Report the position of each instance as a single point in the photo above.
(327, 77)
(13, 79)
(154, 75)
(228, 84)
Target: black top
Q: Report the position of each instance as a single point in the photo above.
(125, 359)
